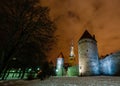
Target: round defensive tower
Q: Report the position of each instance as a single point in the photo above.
(88, 55)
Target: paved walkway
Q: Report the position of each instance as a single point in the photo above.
(66, 81)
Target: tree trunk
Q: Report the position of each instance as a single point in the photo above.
(23, 74)
(19, 74)
(4, 73)
(7, 74)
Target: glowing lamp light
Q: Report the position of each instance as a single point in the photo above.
(29, 69)
(56, 70)
(13, 71)
(14, 58)
(38, 68)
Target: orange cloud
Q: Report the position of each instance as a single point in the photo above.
(72, 17)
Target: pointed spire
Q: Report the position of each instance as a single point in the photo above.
(86, 34)
(72, 55)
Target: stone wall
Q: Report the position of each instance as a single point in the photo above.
(110, 65)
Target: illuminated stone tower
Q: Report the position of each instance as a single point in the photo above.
(72, 55)
(88, 55)
(60, 65)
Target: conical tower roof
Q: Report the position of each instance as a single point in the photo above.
(86, 34)
(60, 55)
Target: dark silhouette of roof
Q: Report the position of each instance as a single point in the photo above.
(86, 34)
(60, 55)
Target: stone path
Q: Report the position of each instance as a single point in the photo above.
(66, 81)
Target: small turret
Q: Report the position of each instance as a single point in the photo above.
(60, 65)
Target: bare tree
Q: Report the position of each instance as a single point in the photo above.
(23, 22)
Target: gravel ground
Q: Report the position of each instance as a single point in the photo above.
(66, 81)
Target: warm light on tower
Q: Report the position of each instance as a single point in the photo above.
(72, 55)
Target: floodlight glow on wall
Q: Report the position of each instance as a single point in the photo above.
(109, 65)
(60, 64)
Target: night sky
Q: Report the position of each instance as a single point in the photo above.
(72, 17)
